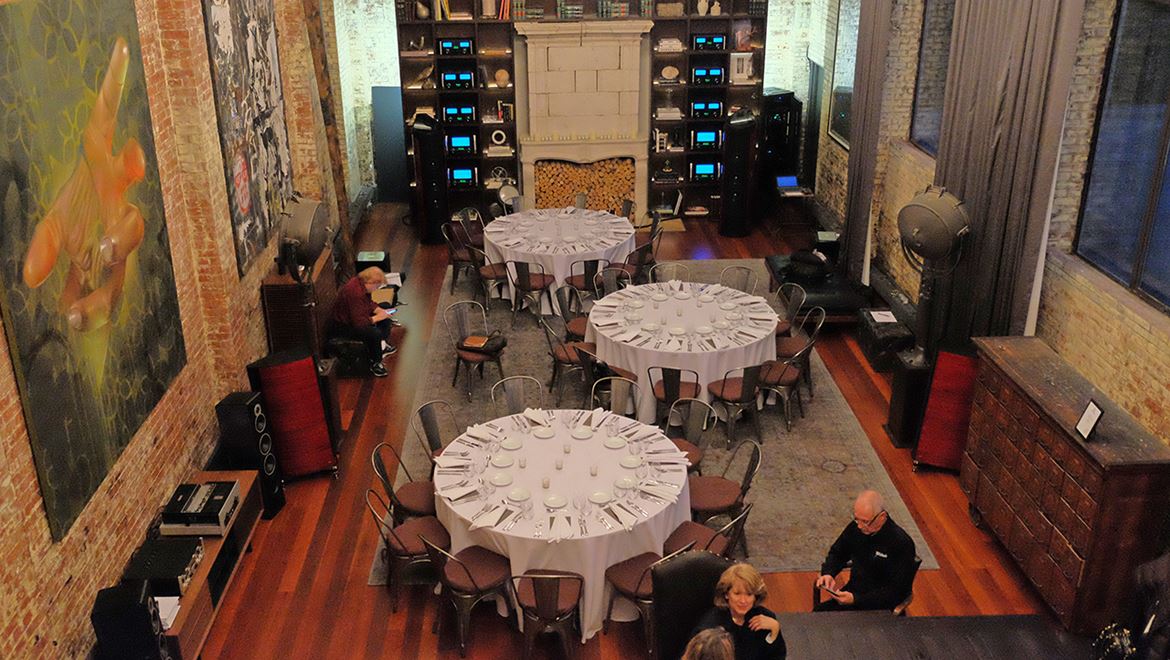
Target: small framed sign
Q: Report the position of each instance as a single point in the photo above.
(1089, 420)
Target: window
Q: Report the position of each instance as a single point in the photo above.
(934, 54)
(1125, 218)
(844, 63)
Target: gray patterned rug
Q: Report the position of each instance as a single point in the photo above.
(809, 477)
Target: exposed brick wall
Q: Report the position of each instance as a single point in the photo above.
(47, 588)
(908, 171)
(832, 158)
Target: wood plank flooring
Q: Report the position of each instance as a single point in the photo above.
(302, 593)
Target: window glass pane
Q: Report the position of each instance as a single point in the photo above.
(933, 56)
(844, 63)
(1156, 270)
(1129, 133)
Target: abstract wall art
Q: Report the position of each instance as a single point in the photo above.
(245, 75)
(87, 288)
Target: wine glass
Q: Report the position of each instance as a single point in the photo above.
(526, 509)
(642, 472)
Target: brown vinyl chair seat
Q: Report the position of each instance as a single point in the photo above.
(536, 282)
(693, 452)
(579, 283)
(567, 353)
(686, 390)
(624, 575)
(775, 375)
(488, 569)
(410, 531)
(624, 373)
(786, 347)
(578, 326)
(566, 598)
(702, 536)
(712, 494)
(417, 497)
(727, 389)
(474, 357)
(494, 272)
(783, 327)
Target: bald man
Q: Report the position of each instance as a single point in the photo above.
(882, 556)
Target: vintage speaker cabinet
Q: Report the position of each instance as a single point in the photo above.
(296, 314)
(1076, 516)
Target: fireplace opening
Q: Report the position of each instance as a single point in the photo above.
(606, 182)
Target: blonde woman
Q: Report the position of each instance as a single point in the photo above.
(754, 630)
(710, 644)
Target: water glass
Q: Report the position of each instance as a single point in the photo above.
(526, 509)
(593, 470)
(560, 465)
(523, 462)
(567, 448)
(642, 472)
(544, 483)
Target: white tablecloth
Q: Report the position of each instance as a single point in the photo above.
(708, 328)
(588, 553)
(556, 238)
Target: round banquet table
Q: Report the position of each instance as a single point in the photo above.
(654, 508)
(708, 328)
(557, 238)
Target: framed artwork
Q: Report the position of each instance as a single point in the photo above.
(245, 77)
(87, 287)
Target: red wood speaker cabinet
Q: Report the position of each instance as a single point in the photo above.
(1076, 516)
(288, 382)
(297, 314)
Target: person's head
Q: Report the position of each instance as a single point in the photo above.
(740, 588)
(869, 512)
(710, 644)
(373, 278)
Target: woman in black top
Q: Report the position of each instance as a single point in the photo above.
(754, 630)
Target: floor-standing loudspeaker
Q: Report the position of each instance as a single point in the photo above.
(246, 444)
(125, 621)
(292, 396)
(739, 155)
(430, 172)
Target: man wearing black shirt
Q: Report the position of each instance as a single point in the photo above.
(882, 557)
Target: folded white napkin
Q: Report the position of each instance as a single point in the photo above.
(536, 416)
(561, 529)
(599, 415)
(455, 492)
(445, 461)
(721, 342)
(627, 335)
(605, 302)
(480, 432)
(662, 492)
(627, 519)
(607, 323)
(491, 518)
(673, 345)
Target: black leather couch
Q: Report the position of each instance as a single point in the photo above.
(840, 298)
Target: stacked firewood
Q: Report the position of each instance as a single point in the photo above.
(607, 182)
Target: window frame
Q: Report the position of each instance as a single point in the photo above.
(918, 79)
(1133, 286)
(841, 140)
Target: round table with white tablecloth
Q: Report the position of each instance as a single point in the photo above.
(707, 328)
(578, 523)
(557, 238)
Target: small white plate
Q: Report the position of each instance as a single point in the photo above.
(502, 461)
(634, 317)
(702, 330)
(569, 238)
(728, 306)
(555, 501)
(683, 295)
(734, 316)
(519, 494)
(625, 482)
(501, 479)
(650, 327)
(614, 442)
(590, 221)
(512, 444)
(631, 462)
(722, 325)
(636, 304)
(600, 497)
(706, 297)
(543, 432)
(660, 297)
(582, 433)
(678, 331)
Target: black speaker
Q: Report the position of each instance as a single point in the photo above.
(125, 620)
(430, 173)
(739, 155)
(781, 128)
(908, 395)
(246, 444)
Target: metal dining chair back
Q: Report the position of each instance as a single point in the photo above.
(432, 423)
(695, 418)
(673, 270)
(383, 475)
(741, 278)
(792, 295)
(569, 303)
(616, 394)
(518, 393)
(609, 280)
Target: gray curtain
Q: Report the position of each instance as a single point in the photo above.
(873, 41)
(1007, 89)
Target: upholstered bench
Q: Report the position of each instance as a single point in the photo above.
(835, 294)
(352, 361)
(880, 342)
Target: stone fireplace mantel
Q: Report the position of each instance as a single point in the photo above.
(583, 95)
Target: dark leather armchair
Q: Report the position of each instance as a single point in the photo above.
(684, 589)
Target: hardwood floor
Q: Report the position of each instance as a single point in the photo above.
(302, 593)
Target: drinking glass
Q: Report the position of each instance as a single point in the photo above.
(567, 448)
(526, 509)
(642, 472)
(523, 462)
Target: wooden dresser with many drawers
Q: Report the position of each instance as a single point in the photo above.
(1076, 516)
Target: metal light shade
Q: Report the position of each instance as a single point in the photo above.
(932, 223)
(306, 221)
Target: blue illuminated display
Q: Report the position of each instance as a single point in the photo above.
(704, 168)
(461, 141)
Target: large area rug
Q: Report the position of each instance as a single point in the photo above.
(809, 477)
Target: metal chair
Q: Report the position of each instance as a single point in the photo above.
(433, 423)
(713, 496)
(572, 311)
(467, 577)
(695, 418)
(580, 200)
(464, 319)
(782, 377)
(549, 601)
(518, 393)
(741, 278)
(631, 578)
(564, 354)
(609, 280)
(669, 271)
(617, 395)
(496, 210)
(472, 223)
(807, 331)
(627, 210)
(792, 296)
(738, 394)
(669, 385)
(529, 282)
(402, 545)
(491, 276)
(457, 252)
(594, 368)
(640, 261)
(582, 273)
(722, 541)
(413, 499)
(509, 196)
